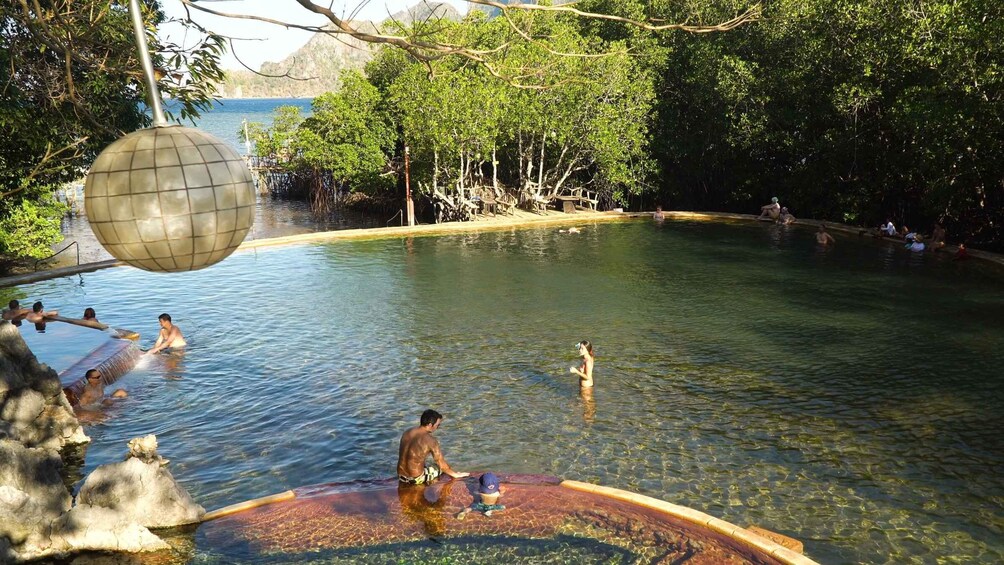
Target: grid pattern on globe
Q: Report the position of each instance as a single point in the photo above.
(169, 199)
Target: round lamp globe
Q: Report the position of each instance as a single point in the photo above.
(170, 198)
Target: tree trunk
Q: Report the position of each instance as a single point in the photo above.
(540, 171)
(495, 173)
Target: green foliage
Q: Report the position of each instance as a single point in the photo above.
(72, 85)
(347, 136)
(851, 110)
(28, 228)
(563, 122)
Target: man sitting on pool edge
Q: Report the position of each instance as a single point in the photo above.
(416, 445)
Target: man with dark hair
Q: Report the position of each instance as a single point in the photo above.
(416, 445)
(170, 336)
(14, 312)
(94, 390)
(38, 313)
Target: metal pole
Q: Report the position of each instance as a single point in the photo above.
(247, 139)
(407, 188)
(144, 58)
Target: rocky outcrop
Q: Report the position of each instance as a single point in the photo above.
(33, 409)
(36, 517)
(142, 489)
(32, 493)
(316, 67)
(92, 528)
(114, 510)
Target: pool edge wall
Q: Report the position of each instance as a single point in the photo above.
(446, 228)
(728, 529)
(731, 531)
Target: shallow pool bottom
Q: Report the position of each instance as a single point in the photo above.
(544, 521)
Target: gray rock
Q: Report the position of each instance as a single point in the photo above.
(144, 492)
(32, 493)
(90, 528)
(19, 368)
(22, 406)
(33, 409)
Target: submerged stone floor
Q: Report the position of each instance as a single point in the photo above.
(542, 522)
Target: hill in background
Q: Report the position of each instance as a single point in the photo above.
(314, 68)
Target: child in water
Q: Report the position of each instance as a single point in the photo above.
(489, 492)
(585, 371)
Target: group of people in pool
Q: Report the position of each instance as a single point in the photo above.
(169, 339)
(37, 314)
(418, 444)
(914, 240)
(414, 475)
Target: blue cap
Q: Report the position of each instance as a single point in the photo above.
(489, 483)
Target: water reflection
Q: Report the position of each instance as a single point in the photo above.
(426, 505)
(588, 404)
(273, 218)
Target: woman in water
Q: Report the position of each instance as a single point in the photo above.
(585, 371)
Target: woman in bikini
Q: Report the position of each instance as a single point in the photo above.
(585, 371)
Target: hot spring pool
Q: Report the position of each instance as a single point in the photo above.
(851, 397)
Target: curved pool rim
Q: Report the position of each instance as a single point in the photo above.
(738, 534)
(448, 228)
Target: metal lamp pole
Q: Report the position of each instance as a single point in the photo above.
(407, 189)
(144, 58)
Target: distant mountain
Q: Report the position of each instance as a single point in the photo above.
(314, 68)
(492, 11)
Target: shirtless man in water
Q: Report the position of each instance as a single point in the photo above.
(170, 336)
(416, 445)
(15, 312)
(38, 313)
(823, 238)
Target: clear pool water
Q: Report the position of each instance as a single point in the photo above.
(59, 344)
(852, 397)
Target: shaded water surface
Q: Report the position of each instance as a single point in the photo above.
(849, 397)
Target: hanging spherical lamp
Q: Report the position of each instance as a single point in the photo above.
(168, 198)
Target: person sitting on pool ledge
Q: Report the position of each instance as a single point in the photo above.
(170, 336)
(416, 445)
(888, 229)
(38, 314)
(585, 371)
(770, 211)
(937, 237)
(14, 312)
(786, 217)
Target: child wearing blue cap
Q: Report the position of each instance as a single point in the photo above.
(489, 492)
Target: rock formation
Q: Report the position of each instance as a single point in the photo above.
(33, 409)
(32, 493)
(117, 503)
(141, 488)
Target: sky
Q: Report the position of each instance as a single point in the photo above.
(262, 42)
